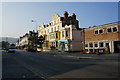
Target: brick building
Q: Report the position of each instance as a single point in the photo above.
(101, 37)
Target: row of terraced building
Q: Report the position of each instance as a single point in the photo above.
(64, 34)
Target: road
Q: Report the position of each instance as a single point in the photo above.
(22, 64)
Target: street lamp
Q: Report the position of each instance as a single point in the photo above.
(36, 23)
(36, 32)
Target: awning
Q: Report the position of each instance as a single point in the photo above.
(66, 40)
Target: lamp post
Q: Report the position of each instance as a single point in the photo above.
(36, 32)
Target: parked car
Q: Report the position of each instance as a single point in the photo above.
(11, 50)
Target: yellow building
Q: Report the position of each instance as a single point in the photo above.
(62, 33)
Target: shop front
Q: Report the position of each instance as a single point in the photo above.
(65, 45)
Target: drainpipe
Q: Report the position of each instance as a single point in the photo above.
(83, 31)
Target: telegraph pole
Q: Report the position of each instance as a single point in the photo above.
(36, 32)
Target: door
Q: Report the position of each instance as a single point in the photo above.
(116, 46)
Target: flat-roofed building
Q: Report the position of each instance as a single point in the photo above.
(101, 37)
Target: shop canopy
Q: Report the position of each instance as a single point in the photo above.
(66, 40)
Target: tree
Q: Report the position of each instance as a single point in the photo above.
(4, 44)
(32, 42)
(41, 41)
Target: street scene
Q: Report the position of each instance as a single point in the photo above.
(52, 41)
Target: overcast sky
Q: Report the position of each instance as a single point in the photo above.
(17, 16)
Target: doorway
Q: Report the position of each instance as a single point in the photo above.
(116, 46)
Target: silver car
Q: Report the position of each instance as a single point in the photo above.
(11, 50)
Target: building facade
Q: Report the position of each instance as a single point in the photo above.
(62, 33)
(102, 37)
(27, 41)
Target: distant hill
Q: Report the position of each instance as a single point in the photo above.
(9, 39)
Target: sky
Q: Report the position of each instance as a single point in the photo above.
(17, 16)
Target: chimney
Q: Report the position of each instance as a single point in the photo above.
(94, 26)
(65, 15)
(73, 16)
(90, 27)
(33, 31)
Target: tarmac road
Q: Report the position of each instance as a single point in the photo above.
(22, 64)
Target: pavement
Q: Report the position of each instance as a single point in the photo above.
(78, 55)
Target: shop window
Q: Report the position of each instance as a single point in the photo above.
(95, 50)
(91, 50)
(96, 31)
(86, 45)
(109, 30)
(101, 44)
(86, 50)
(100, 31)
(114, 29)
(91, 44)
(66, 33)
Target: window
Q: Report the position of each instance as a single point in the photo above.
(95, 50)
(58, 28)
(86, 50)
(56, 44)
(96, 31)
(101, 44)
(45, 31)
(54, 22)
(54, 28)
(100, 31)
(48, 30)
(62, 33)
(96, 45)
(114, 29)
(66, 33)
(86, 45)
(109, 30)
(81, 34)
(56, 35)
(91, 50)
(107, 44)
(70, 21)
(91, 44)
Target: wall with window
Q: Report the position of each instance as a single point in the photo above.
(104, 32)
(101, 36)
